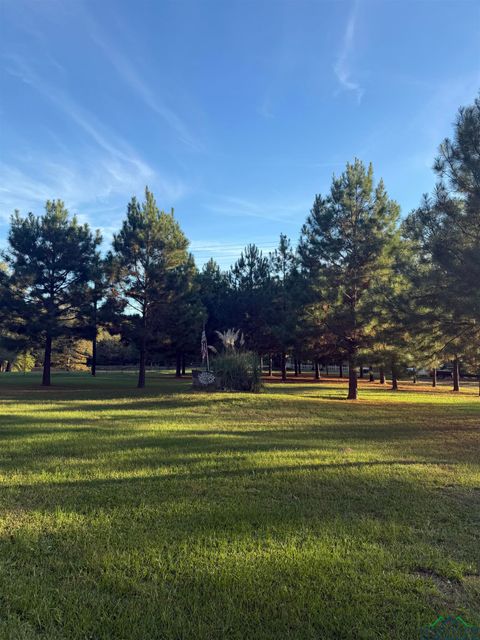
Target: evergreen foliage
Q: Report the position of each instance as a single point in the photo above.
(347, 248)
(147, 252)
(360, 287)
(50, 258)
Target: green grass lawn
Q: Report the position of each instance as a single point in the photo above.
(168, 514)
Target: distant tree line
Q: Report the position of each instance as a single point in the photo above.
(362, 286)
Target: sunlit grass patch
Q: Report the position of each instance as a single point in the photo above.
(164, 513)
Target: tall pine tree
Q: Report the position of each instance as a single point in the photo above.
(51, 258)
(149, 246)
(346, 248)
(446, 231)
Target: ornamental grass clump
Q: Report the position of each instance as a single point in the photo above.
(238, 371)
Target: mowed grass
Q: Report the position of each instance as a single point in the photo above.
(169, 514)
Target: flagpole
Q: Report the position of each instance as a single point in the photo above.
(205, 348)
(208, 362)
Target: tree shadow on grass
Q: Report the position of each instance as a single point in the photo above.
(27, 446)
(194, 550)
(279, 502)
(247, 569)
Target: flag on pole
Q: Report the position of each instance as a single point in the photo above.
(204, 346)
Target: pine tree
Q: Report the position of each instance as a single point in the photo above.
(50, 257)
(346, 249)
(283, 301)
(184, 316)
(95, 316)
(446, 231)
(216, 298)
(250, 284)
(149, 246)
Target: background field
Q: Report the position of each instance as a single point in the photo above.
(161, 513)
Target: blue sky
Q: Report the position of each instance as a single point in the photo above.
(233, 112)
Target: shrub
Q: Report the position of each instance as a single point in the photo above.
(238, 371)
(24, 361)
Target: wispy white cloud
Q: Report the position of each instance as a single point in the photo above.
(130, 73)
(105, 166)
(98, 192)
(17, 189)
(226, 254)
(28, 188)
(89, 183)
(233, 248)
(342, 66)
(132, 76)
(266, 210)
(422, 128)
(17, 66)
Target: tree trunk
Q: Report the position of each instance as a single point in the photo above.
(93, 368)
(326, 369)
(270, 365)
(94, 355)
(141, 366)
(143, 349)
(299, 367)
(295, 364)
(394, 377)
(284, 366)
(434, 377)
(382, 375)
(341, 370)
(456, 374)
(184, 364)
(317, 371)
(352, 379)
(8, 366)
(371, 376)
(361, 371)
(47, 360)
(178, 368)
